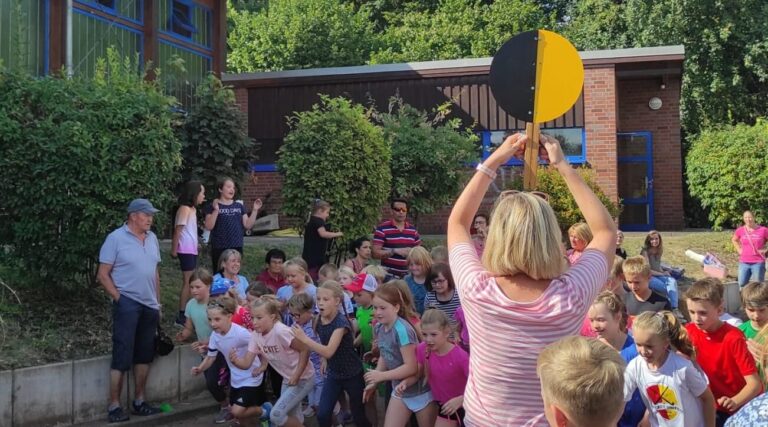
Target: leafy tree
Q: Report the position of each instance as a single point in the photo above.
(727, 171)
(596, 24)
(427, 154)
(335, 153)
(457, 29)
(295, 34)
(214, 136)
(73, 154)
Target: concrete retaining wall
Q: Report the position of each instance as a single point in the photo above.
(65, 393)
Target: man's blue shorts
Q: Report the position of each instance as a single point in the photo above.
(133, 333)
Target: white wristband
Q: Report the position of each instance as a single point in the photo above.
(486, 170)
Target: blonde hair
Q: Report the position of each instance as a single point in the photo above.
(439, 254)
(420, 256)
(755, 295)
(524, 237)
(301, 264)
(636, 265)
(664, 324)
(615, 305)
(330, 271)
(348, 271)
(224, 257)
(585, 378)
(581, 231)
(377, 272)
(708, 289)
(270, 303)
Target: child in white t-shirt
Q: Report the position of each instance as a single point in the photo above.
(674, 391)
(246, 395)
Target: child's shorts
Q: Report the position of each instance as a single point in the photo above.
(248, 396)
(415, 403)
(187, 262)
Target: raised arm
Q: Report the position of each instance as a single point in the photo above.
(595, 214)
(465, 208)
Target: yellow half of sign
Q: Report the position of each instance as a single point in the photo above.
(559, 77)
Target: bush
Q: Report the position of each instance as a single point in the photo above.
(214, 137)
(335, 153)
(727, 171)
(73, 154)
(427, 155)
(560, 198)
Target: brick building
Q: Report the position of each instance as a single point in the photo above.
(626, 124)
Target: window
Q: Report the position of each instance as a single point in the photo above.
(110, 4)
(181, 19)
(572, 140)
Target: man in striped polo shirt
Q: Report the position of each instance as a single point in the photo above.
(394, 238)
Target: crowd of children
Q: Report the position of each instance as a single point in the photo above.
(311, 346)
(587, 336)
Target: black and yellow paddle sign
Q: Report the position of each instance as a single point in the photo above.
(536, 76)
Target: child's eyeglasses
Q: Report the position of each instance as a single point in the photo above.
(401, 210)
(436, 281)
(539, 194)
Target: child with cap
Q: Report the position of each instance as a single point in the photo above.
(363, 287)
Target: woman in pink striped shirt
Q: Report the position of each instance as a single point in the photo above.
(521, 298)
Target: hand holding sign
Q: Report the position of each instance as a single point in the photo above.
(536, 76)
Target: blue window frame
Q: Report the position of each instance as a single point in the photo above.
(187, 21)
(181, 18)
(572, 140)
(130, 10)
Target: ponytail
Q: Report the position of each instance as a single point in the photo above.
(666, 325)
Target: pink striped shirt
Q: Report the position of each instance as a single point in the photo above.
(507, 336)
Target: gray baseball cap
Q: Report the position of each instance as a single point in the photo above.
(142, 205)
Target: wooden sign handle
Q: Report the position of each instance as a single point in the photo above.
(531, 158)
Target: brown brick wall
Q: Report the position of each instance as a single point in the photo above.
(603, 97)
(600, 126)
(664, 125)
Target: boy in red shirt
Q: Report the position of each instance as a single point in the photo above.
(721, 350)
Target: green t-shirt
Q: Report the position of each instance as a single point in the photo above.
(748, 330)
(198, 312)
(364, 316)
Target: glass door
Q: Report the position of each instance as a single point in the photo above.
(635, 163)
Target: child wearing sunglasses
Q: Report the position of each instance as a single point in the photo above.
(522, 286)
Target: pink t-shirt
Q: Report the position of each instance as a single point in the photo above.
(276, 347)
(447, 373)
(507, 336)
(757, 238)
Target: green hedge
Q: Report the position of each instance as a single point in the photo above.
(727, 171)
(73, 154)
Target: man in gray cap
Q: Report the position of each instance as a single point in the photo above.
(128, 271)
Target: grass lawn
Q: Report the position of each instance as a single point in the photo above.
(53, 324)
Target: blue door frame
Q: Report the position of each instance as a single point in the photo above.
(638, 161)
